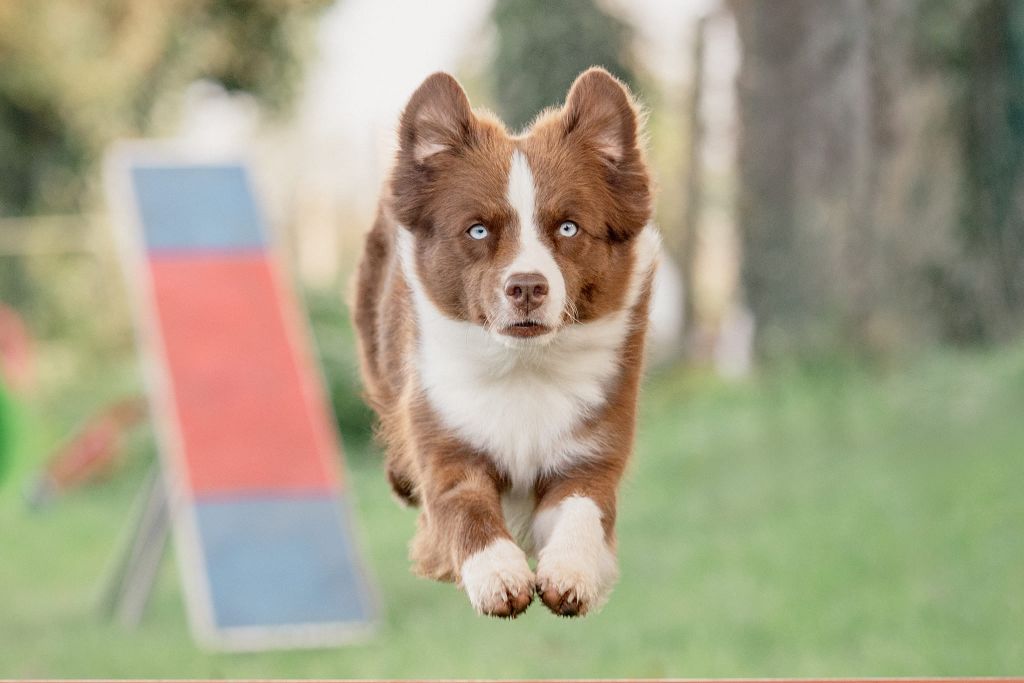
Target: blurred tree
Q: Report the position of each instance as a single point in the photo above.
(543, 46)
(76, 75)
(989, 103)
(882, 170)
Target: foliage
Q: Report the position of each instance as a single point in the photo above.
(336, 344)
(992, 218)
(543, 46)
(882, 172)
(819, 521)
(69, 289)
(6, 432)
(76, 75)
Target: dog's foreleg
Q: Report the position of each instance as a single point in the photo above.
(465, 523)
(574, 532)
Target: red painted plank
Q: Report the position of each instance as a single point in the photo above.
(242, 380)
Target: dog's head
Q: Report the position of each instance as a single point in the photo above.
(526, 234)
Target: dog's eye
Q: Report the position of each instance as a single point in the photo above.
(478, 232)
(568, 229)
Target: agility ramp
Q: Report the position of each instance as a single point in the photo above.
(249, 454)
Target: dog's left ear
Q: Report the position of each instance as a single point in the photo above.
(599, 111)
(600, 115)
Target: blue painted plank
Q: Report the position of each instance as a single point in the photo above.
(280, 561)
(186, 208)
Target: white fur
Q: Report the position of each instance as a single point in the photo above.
(518, 506)
(574, 556)
(492, 575)
(532, 256)
(431, 120)
(522, 406)
(426, 148)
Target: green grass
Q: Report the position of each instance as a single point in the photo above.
(828, 521)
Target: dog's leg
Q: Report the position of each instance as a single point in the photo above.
(465, 525)
(574, 532)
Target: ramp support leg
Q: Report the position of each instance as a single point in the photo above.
(135, 573)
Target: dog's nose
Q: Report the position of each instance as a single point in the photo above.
(526, 291)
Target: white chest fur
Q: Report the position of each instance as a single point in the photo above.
(521, 406)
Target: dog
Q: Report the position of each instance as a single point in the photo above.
(501, 305)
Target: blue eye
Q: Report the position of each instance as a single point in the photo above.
(568, 229)
(478, 232)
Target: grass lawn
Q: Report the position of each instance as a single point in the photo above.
(824, 521)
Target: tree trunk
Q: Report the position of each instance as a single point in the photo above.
(880, 179)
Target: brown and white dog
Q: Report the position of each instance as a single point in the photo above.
(501, 305)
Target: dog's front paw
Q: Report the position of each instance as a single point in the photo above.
(572, 584)
(498, 580)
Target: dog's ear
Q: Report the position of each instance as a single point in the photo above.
(436, 123)
(437, 119)
(600, 116)
(600, 113)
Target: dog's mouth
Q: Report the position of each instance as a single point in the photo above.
(525, 329)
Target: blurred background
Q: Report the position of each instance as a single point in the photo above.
(830, 460)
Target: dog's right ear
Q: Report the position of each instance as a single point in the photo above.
(437, 119)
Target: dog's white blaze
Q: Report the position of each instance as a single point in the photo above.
(490, 574)
(521, 406)
(573, 553)
(532, 255)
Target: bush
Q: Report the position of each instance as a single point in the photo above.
(336, 346)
